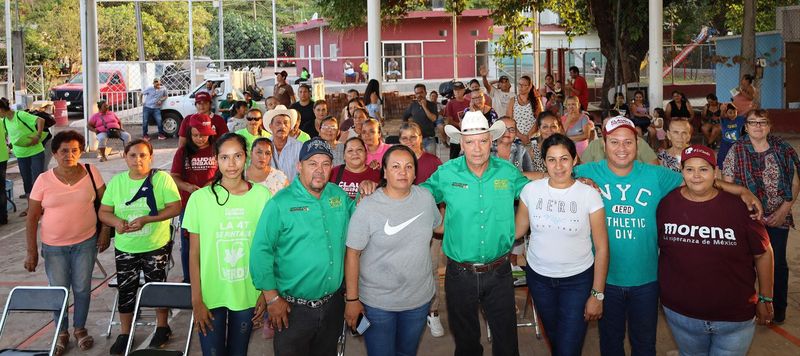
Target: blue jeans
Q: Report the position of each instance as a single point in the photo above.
(638, 308)
(231, 333)
(429, 145)
(394, 333)
(71, 267)
(560, 303)
(712, 338)
(30, 168)
(777, 238)
(102, 138)
(156, 114)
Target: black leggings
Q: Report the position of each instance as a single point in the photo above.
(130, 265)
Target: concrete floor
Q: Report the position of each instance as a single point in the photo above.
(35, 330)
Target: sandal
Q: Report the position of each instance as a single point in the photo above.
(61, 343)
(84, 340)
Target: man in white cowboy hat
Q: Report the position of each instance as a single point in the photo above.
(479, 191)
(285, 149)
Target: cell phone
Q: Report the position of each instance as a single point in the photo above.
(362, 324)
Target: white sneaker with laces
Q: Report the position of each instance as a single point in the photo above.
(437, 330)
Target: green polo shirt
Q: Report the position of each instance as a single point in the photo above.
(479, 221)
(300, 242)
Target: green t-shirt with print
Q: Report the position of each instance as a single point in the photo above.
(226, 234)
(19, 131)
(152, 236)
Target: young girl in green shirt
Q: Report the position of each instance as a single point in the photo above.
(221, 219)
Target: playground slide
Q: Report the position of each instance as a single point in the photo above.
(701, 38)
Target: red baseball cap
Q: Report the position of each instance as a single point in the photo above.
(202, 123)
(202, 96)
(699, 151)
(618, 122)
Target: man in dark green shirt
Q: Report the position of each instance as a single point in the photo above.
(479, 191)
(297, 258)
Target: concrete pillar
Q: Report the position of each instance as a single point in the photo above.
(10, 88)
(374, 40)
(221, 31)
(655, 86)
(192, 66)
(322, 52)
(89, 57)
(275, 40)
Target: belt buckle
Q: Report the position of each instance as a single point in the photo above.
(314, 304)
(479, 267)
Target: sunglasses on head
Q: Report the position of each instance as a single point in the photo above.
(251, 118)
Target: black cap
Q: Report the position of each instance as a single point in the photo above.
(283, 73)
(314, 146)
(503, 77)
(458, 85)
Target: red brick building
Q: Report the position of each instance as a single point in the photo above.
(420, 33)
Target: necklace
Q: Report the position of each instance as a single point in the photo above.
(63, 176)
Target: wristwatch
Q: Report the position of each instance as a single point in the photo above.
(599, 295)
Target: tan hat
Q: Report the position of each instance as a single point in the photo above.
(474, 123)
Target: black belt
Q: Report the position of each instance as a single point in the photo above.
(313, 304)
(483, 267)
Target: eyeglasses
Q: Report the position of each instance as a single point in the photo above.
(511, 129)
(758, 123)
(327, 127)
(251, 118)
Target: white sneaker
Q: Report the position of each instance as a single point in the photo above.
(437, 330)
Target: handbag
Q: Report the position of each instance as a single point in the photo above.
(101, 228)
(113, 133)
(110, 132)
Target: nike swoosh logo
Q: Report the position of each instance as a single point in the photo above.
(391, 230)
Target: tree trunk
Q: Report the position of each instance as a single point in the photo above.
(630, 50)
(746, 66)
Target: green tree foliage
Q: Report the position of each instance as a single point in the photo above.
(243, 38)
(56, 33)
(765, 14)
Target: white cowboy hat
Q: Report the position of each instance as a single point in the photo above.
(474, 123)
(277, 111)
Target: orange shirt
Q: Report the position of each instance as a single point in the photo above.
(69, 217)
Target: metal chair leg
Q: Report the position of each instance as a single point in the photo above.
(113, 313)
(342, 340)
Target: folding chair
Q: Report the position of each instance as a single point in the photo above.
(112, 283)
(36, 299)
(162, 295)
(10, 196)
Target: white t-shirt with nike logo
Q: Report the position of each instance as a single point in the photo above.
(394, 238)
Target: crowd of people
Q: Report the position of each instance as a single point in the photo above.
(298, 221)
